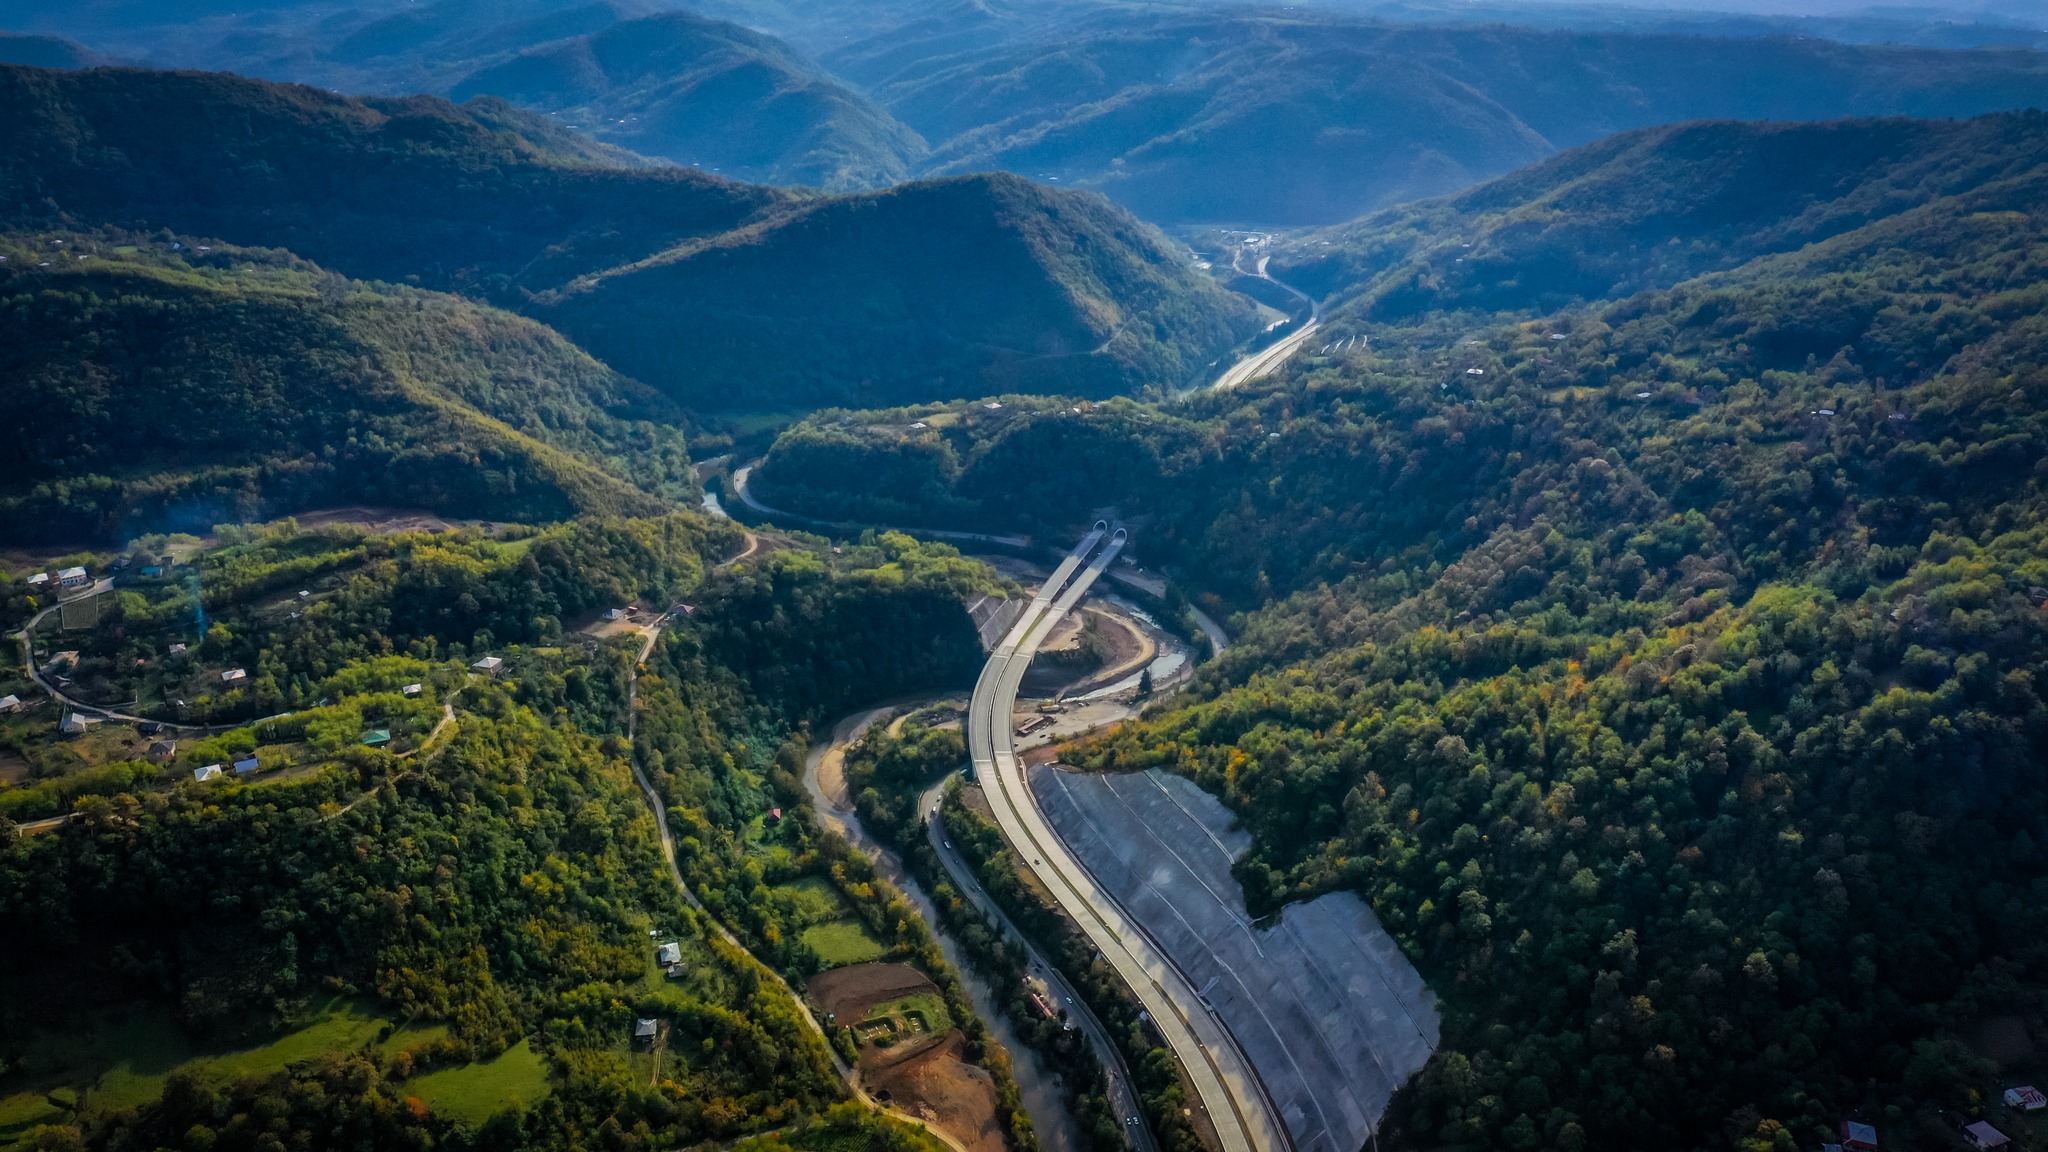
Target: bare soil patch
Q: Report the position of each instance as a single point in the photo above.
(383, 520)
(848, 993)
(2005, 1040)
(936, 1083)
(13, 769)
(1088, 649)
(1127, 649)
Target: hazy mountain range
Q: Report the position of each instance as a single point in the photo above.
(1184, 113)
(711, 292)
(711, 94)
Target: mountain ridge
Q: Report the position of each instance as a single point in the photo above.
(712, 95)
(446, 196)
(1307, 118)
(1042, 285)
(169, 388)
(1651, 207)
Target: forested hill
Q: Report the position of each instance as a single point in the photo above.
(961, 287)
(1665, 670)
(442, 937)
(1649, 208)
(44, 52)
(712, 95)
(152, 389)
(388, 189)
(779, 298)
(1297, 116)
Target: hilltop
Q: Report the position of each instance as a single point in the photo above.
(1308, 118)
(959, 287)
(156, 389)
(711, 95)
(484, 196)
(45, 52)
(723, 294)
(1650, 208)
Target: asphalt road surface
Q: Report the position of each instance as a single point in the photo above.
(1225, 1084)
(1266, 360)
(743, 488)
(1123, 1098)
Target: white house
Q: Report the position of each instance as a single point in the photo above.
(39, 579)
(72, 577)
(10, 703)
(210, 772)
(645, 1028)
(412, 689)
(1984, 1136)
(74, 724)
(233, 676)
(668, 953)
(489, 665)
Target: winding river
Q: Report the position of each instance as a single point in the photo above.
(1045, 1099)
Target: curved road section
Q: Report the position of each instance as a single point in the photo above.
(1263, 362)
(1222, 1077)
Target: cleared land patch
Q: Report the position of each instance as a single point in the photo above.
(851, 993)
(935, 1082)
(1328, 1010)
(840, 942)
(515, 1079)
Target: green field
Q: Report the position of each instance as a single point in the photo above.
(842, 942)
(810, 900)
(23, 1111)
(515, 1079)
(147, 1046)
(122, 1058)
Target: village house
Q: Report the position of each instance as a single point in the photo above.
(72, 578)
(489, 665)
(10, 703)
(74, 724)
(646, 1028)
(233, 676)
(668, 953)
(1983, 1136)
(247, 765)
(412, 690)
(162, 750)
(209, 772)
(1858, 1137)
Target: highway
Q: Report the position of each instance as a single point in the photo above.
(1224, 1081)
(1265, 361)
(1123, 1095)
(741, 488)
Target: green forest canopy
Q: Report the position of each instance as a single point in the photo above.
(1663, 668)
(501, 885)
